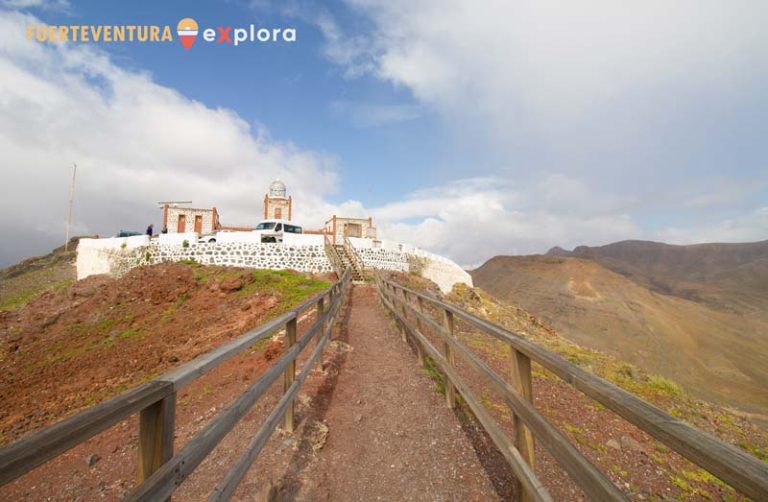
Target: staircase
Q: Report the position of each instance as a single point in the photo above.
(342, 257)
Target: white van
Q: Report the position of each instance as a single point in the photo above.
(272, 230)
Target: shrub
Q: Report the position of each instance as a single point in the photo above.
(665, 386)
(185, 244)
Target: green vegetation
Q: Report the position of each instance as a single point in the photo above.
(760, 452)
(290, 287)
(656, 389)
(430, 369)
(185, 244)
(618, 470)
(129, 333)
(665, 386)
(200, 274)
(24, 295)
(580, 436)
(491, 405)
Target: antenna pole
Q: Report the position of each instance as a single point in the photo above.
(71, 203)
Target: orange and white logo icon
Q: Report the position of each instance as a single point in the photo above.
(187, 31)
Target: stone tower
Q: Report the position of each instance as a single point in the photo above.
(276, 205)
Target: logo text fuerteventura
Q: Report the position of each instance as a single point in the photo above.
(187, 31)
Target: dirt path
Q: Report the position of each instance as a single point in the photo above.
(390, 435)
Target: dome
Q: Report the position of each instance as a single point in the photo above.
(277, 189)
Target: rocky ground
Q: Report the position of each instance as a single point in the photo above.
(371, 422)
(71, 348)
(642, 467)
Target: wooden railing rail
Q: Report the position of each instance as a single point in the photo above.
(742, 471)
(352, 253)
(159, 471)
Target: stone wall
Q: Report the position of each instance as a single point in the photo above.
(118, 255)
(382, 259)
(391, 255)
(246, 254)
(107, 256)
(99, 257)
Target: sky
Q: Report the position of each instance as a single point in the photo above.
(471, 128)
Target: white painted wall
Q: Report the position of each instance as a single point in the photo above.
(109, 256)
(303, 239)
(233, 237)
(97, 256)
(178, 239)
(394, 256)
(445, 274)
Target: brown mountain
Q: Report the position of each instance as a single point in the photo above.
(732, 277)
(697, 314)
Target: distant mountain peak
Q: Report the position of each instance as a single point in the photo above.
(558, 251)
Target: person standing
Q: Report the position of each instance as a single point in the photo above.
(150, 230)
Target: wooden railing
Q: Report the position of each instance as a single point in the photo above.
(742, 471)
(357, 265)
(332, 254)
(159, 470)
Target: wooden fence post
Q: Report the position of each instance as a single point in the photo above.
(402, 309)
(450, 390)
(523, 384)
(419, 352)
(156, 428)
(290, 372)
(320, 313)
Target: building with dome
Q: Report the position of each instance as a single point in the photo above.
(278, 206)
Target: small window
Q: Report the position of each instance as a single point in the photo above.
(279, 227)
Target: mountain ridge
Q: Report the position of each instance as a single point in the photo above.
(697, 314)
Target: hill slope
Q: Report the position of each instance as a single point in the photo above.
(21, 282)
(730, 277)
(75, 346)
(716, 353)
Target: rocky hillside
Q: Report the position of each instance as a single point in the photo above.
(728, 277)
(697, 314)
(22, 282)
(643, 467)
(79, 344)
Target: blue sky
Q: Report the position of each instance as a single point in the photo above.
(470, 128)
(293, 89)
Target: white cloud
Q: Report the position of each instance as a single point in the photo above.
(43, 4)
(631, 104)
(475, 219)
(750, 226)
(550, 57)
(135, 143)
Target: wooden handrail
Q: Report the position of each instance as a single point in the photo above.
(742, 471)
(352, 253)
(227, 485)
(502, 442)
(31, 451)
(595, 484)
(160, 472)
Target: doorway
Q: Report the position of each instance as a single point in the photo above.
(182, 225)
(354, 230)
